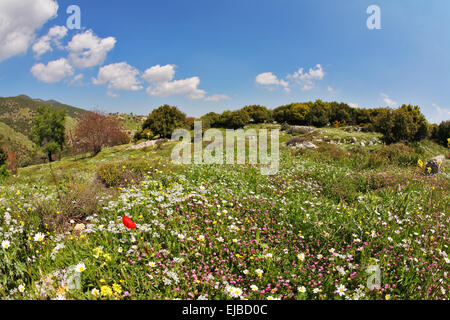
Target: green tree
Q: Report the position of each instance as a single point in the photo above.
(211, 120)
(405, 124)
(340, 112)
(257, 113)
(298, 113)
(48, 130)
(443, 133)
(319, 114)
(164, 120)
(234, 119)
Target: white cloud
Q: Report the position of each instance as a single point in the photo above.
(112, 94)
(442, 114)
(312, 74)
(19, 20)
(353, 105)
(389, 102)
(54, 71)
(119, 76)
(268, 78)
(158, 74)
(307, 80)
(162, 85)
(330, 89)
(77, 80)
(44, 44)
(187, 87)
(217, 97)
(88, 50)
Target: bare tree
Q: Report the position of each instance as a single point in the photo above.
(96, 130)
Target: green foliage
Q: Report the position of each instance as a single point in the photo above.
(405, 124)
(441, 133)
(258, 114)
(48, 130)
(234, 119)
(123, 173)
(146, 134)
(164, 120)
(3, 172)
(3, 157)
(319, 114)
(211, 120)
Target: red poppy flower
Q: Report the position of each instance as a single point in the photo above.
(128, 223)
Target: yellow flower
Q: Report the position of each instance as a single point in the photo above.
(420, 163)
(106, 291)
(117, 288)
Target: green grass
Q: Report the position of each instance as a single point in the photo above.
(215, 231)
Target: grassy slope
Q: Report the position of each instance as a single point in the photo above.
(85, 168)
(298, 210)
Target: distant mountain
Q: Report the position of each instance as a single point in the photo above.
(18, 112)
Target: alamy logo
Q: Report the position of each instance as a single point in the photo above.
(374, 21)
(217, 153)
(374, 281)
(74, 20)
(73, 277)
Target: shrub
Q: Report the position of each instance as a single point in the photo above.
(3, 172)
(398, 153)
(146, 134)
(295, 140)
(3, 157)
(123, 173)
(77, 203)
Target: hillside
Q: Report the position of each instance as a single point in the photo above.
(328, 214)
(18, 112)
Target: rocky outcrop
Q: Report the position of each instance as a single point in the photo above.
(434, 165)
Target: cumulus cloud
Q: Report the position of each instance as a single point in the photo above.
(44, 44)
(119, 76)
(187, 87)
(88, 50)
(162, 84)
(19, 20)
(353, 105)
(312, 74)
(268, 78)
(217, 97)
(307, 79)
(53, 72)
(389, 102)
(158, 74)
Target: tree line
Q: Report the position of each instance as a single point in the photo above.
(404, 124)
(95, 130)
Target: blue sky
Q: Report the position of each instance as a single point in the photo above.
(203, 55)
